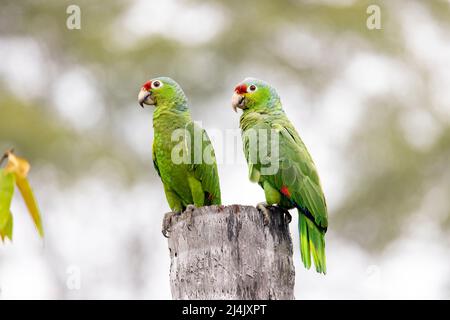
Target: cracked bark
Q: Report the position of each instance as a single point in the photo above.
(228, 253)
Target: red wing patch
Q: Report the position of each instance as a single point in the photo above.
(284, 190)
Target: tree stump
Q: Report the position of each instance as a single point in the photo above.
(228, 253)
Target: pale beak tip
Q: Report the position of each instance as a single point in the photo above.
(142, 97)
(236, 101)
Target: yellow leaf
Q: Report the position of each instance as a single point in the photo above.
(6, 194)
(30, 201)
(16, 169)
(20, 167)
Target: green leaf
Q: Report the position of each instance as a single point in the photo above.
(6, 194)
(7, 230)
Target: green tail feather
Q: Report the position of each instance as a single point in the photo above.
(312, 241)
(304, 240)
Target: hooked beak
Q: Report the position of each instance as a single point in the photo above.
(144, 97)
(237, 101)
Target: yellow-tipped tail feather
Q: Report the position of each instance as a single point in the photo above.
(312, 242)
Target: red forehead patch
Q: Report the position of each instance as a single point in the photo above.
(242, 88)
(147, 85)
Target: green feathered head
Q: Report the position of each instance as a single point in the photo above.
(164, 92)
(255, 95)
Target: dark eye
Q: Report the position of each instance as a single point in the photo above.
(156, 84)
(252, 88)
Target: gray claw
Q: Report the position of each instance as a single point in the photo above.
(189, 218)
(263, 208)
(287, 215)
(167, 222)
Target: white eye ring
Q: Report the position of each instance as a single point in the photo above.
(156, 84)
(252, 88)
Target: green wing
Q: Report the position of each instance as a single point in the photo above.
(155, 162)
(299, 174)
(296, 171)
(203, 163)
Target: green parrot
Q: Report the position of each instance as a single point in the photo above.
(182, 152)
(280, 163)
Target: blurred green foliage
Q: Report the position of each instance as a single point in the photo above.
(389, 178)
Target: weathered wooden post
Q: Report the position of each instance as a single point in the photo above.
(228, 253)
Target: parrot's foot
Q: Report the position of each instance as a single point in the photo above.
(189, 218)
(287, 215)
(263, 208)
(167, 222)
